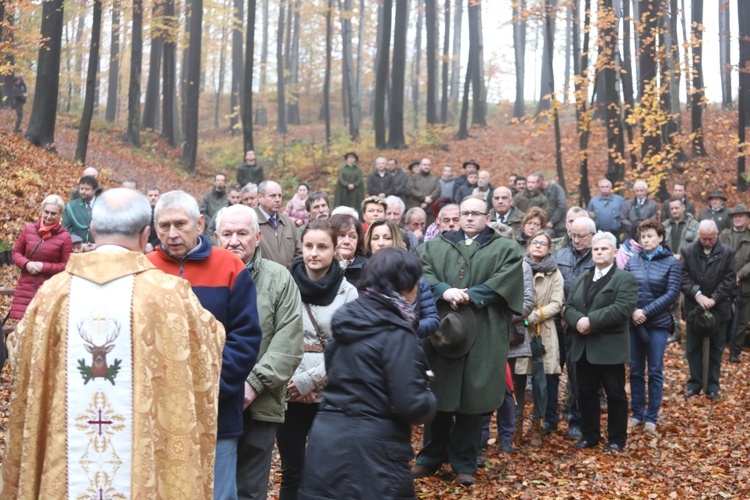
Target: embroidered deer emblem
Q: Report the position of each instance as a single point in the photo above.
(107, 328)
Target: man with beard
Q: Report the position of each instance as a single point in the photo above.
(77, 215)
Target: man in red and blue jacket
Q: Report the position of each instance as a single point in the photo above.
(223, 287)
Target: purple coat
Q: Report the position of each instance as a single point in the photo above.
(30, 247)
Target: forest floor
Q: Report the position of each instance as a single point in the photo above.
(702, 450)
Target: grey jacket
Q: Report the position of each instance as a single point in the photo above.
(529, 301)
(557, 207)
(282, 244)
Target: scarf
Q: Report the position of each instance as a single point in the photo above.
(397, 302)
(46, 231)
(653, 254)
(320, 292)
(547, 265)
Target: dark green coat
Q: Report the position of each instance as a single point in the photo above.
(609, 314)
(350, 174)
(76, 219)
(491, 269)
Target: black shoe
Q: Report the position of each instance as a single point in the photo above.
(506, 447)
(465, 479)
(420, 470)
(584, 444)
(548, 429)
(692, 392)
(575, 433)
(713, 395)
(612, 447)
(734, 358)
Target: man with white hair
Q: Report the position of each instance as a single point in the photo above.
(708, 276)
(116, 384)
(280, 309)
(280, 241)
(249, 195)
(395, 214)
(606, 208)
(380, 181)
(635, 211)
(219, 279)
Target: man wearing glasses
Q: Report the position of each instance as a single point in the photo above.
(572, 261)
(473, 271)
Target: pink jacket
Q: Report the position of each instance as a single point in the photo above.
(296, 210)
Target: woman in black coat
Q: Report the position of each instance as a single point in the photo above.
(360, 443)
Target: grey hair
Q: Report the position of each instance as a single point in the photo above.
(640, 184)
(53, 199)
(393, 199)
(606, 235)
(708, 225)
(604, 180)
(380, 158)
(346, 211)
(249, 188)
(263, 185)
(449, 205)
(574, 210)
(591, 225)
(178, 200)
(115, 213)
(237, 209)
(414, 210)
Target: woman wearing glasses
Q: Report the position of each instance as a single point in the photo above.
(534, 221)
(548, 287)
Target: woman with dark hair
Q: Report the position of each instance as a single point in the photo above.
(296, 209)
(324, 290)
(351, 245)
(658, 274)
(386, 234)
(534, 221)
(360, 444)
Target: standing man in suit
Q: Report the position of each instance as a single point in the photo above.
(635, 211)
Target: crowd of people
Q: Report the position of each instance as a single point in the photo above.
(329, 326)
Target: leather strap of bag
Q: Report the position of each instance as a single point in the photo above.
(315, 325)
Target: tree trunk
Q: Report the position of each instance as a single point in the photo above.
(478, 115)
(151, 106)
(79, 43)
(347, 61)
(549, 6)
(444, 58)
(327, 80)
(686, 54)
(360, 66)
(281, 96)
(133, 134)
(114, 64)
(519, 50)
(615, 145)
(261, 114)
(471, 71)
(432, 73)
(238, 17)
(247, 85)
(626, 74)
(568, 52)
(41, 131)
(699, 90)
(185, 66)
(6, 40)
(725, 58)
(456, 57)
(417, 63)
(396, 138)
(381, 74)
(294, 68)
(88, 104)
(649, 10)
(220, 88)
(193, 87)
(743, 21)
(583, 118)
(549, 48)
(169, 73)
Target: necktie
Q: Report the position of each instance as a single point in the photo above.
(88, 208)
(637, 209)
(272, 221)
(597, 275)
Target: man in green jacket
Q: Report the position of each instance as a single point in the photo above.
(598, 309)
(280, 310)
(77, 214)
(477, 269)
(738, 237)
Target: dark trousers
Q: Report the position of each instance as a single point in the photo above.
(254, 453)
(291, 438)
(506, 424)
(694, 354)
(552, 412)
(19, 115)
(454, 436)
(612, 377)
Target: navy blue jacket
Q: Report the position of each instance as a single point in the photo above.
(571, 264)
(658, 285)
(429, 320)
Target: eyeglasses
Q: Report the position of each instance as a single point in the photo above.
(539, 243)
(472, 213)
(580, 236)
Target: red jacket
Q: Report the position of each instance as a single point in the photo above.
(30, 247)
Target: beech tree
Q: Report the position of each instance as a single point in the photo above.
(88, 104)
(133, 134)
(549, 47)
(725, 64)
(238, 16)
(519, 51)
(110, 112)
(699, 91)
(381, 74)
(396, 138)
(193, 87)
(432, 73)
(247, 95)
(280, 93)
(743, 92)
(151, 104)
(169, 73)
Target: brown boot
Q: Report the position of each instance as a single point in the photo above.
(535, 434)
(518, 432)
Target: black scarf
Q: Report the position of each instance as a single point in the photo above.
(321, 292)
(547, 265)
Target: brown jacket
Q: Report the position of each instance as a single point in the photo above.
(282, 244)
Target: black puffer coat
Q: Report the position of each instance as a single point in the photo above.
(359, 445)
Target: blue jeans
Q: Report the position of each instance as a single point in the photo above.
(649, 354)
(225, 469)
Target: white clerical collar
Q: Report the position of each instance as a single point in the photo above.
(111, 249)
(602, 273)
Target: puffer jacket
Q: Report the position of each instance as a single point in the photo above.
(529, 301)
(429, 320)
(30, 247)
(571, 264)
(658, 285)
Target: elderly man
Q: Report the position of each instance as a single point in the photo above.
(280, 241)
(557, 204)
(77, 215)
(564, 241)
(572, 261)
(280, 309)
(716, 211)
(395, 213)
(708, 276)
(249, 195)
(738, 238)
(115, 387)
(478, 271)
(423, 188)
(606, 208)
(249, 172)
(219, 280)
(504, 211)
(380, 181)
(635, 211)
(598, 309)
(216, 199)
(449, 218)
(678, 193)
(532, 196)
(415, 221)
(152, 193)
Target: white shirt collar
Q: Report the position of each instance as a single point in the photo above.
(603, 272)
